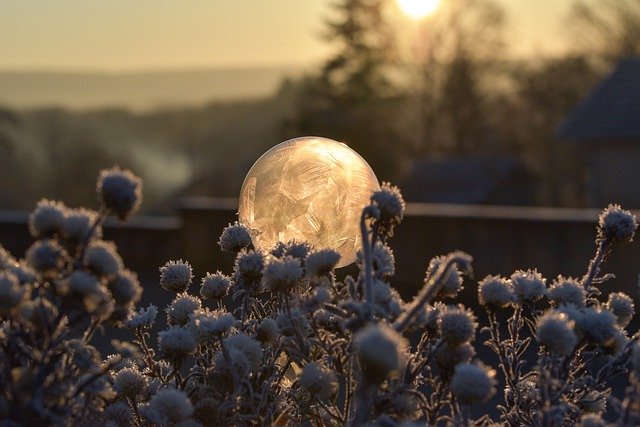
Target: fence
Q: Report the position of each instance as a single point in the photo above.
(501, 240)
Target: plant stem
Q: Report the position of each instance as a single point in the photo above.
(366, 247)
(82, 246)
(349, 390)
(336, 416)
(431, 290)
(294, 325)
(364, 402)
(594, 264)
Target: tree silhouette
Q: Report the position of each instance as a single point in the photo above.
(459, 48)
(353, 98)
(357, 72)
(609, 29)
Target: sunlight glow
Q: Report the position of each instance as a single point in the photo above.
(311, 190)
(418, 9)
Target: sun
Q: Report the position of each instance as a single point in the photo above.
(418, 8)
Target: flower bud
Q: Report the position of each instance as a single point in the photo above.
(234, 238)
(567, 291)
(495, 292)
(319, 381)
(528, 285)
(379, 351)
(555, 333)
(119, 191)
(47, 219)
(129, 382)
(215, 286)
(457, 325)
(176, 276)
(473, 383)
(616, 223)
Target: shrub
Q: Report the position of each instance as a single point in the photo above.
(282, 341)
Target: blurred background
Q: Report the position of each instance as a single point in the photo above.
(504, 102)
(513, 122)
(509, 124)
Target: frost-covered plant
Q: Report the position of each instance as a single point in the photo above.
(70, 285)
(584, 347)
(281, 340)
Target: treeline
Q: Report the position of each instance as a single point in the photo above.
(178, 152)
(455, 91)
(452, 92)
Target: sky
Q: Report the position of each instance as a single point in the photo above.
(141, 35)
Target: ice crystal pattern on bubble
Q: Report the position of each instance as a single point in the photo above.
(307, 189)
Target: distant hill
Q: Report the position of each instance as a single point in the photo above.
(138, 90)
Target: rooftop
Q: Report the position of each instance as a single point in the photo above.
(611, 111)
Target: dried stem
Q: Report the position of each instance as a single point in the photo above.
(594, 264)
(366, 247)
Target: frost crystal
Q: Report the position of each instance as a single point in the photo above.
(46, 256)
(621, 305)
(528, 285)
(143, 318)
(182, 308)
(282, 274)
(600, 326)
(120, 191)
(176, 276)
(125, 288)
(234, 238)
(215, 286)
(248, 266)
(495, 292)
(555, 332)
(176, 342)
(210, 325)
(452, 281)
(567, 291)
(129, 382)
(390, 205)
(321, 262)
(457, 325)
(103, 259)
(318, 381)
(172, 404)
(79, 283)
(616, 223)
(249, 347)
(449, 356)
(378, 348)
(47, 219)
(473, 383)
(268, 331)
(382, 260)
(78, 224)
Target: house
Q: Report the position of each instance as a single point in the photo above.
(469, 180)
(606, 129)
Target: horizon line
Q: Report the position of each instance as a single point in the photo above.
(39, 69)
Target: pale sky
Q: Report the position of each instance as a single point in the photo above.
(123, 35)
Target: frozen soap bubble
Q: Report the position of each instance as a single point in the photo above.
(308, 189)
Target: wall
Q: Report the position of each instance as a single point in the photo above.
(614, 173)
(501, 239)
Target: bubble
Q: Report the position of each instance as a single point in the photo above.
(308, 189)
